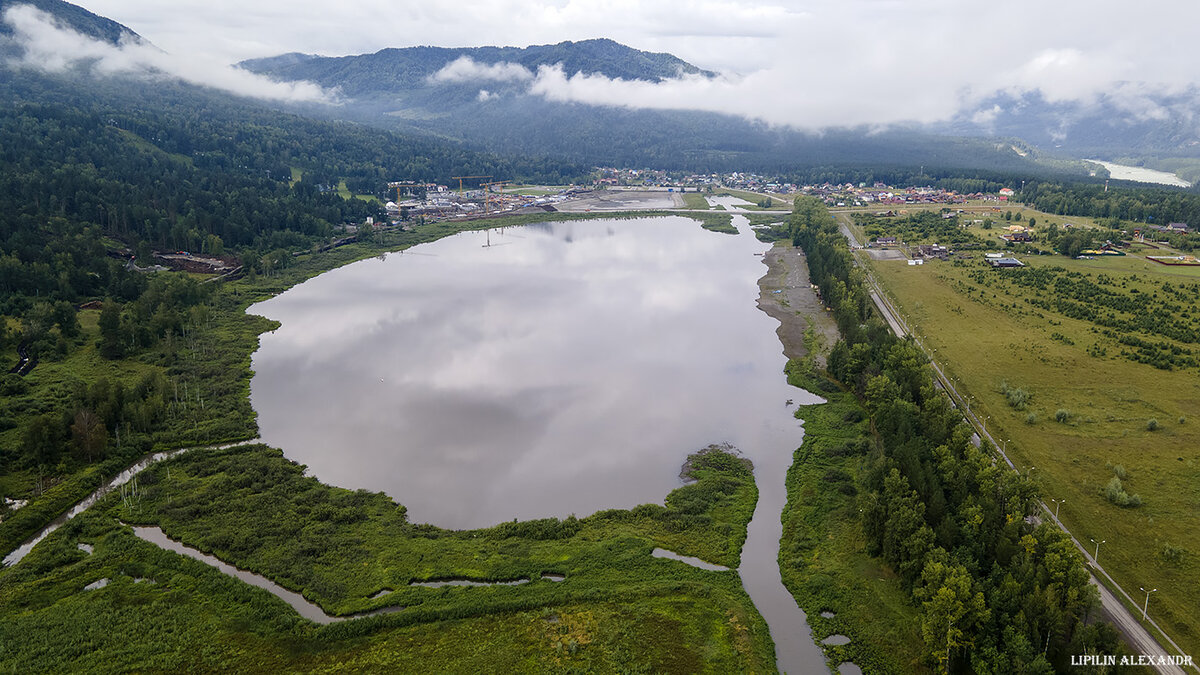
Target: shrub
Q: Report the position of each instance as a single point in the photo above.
(13, 385)
(1017, 398)
(1182, 419)
(1115, 493)
(1172, 554)
(1151, 424)
(1031, 419)
(1119, 471)
(1062, 416)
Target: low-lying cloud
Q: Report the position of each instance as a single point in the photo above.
(864, 62)
(467, 69)
(807, 65)
(813, 99)
(48, 46)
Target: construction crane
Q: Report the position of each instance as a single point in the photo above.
(460, 182)
(398, 186)
(486, 192)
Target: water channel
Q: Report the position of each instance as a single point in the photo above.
(117, 481)
(298, 602)
(541, 371)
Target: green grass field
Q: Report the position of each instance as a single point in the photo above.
(344, 193)
(617, 609)
(989, 333)
(695, 200)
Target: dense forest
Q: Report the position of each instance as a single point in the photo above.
(997, 594)
(97, 175)
(129, 166)
(1122, 208)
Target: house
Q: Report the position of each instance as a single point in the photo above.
(885, 241)
(1177, 227)
(1019, 237)
(932, 251)
(1005, 262)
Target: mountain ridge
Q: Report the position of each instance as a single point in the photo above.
(76, 18)
(365, 74)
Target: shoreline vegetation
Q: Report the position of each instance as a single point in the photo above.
(932, 514)
(823, 557)
(617, 608)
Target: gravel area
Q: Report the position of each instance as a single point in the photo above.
(785, 294)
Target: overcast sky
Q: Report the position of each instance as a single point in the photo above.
(809, 64)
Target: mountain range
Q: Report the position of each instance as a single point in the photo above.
(481, 98)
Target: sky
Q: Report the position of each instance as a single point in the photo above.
(808, 64)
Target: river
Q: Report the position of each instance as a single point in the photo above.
(541, 371)
(1140, 174)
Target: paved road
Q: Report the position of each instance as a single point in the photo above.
(1136, 636)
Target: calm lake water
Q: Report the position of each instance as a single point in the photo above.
(1141, 174)
(541, 371)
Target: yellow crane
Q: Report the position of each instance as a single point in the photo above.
(460, 182)
(401, 185)
(487, 200)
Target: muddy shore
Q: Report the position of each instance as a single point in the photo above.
(785, 294)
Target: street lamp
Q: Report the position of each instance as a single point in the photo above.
(1057, 504)
(1096, 557)
(1147, 603)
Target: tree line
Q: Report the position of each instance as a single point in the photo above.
(997, 594)
(1125, 208)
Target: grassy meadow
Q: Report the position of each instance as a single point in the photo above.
(1059, 359)
(694, 200)
(617, 609)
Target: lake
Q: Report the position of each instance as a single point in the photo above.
(541, 371)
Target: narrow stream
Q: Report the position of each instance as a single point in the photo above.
(694, 562)
(305, 608)
(120, 479)
(795, 650)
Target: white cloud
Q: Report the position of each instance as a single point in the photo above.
(805, 63)
(51, 47)
(485, 95)
(987, 117)
(776, 97)
(467, 69)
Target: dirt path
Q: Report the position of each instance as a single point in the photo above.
(785, 294)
